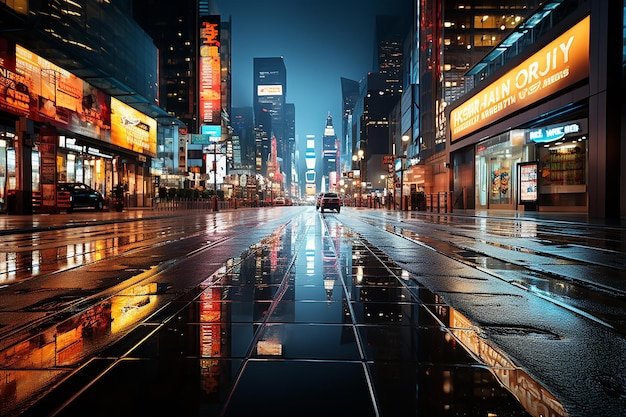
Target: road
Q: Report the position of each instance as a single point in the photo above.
(535, 294)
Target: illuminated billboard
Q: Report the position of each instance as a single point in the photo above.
(560, 64)
(270, 90)
(209, 71)
(213, 132)
(133, 130)
(34, 87)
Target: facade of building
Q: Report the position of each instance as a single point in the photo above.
(80, 103)
(540, 130)
(289, 158)
(194, 45)
(447, 39)
(379, 92)
(311, 180)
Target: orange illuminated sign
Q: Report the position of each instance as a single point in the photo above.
(47, 93)
(270, 90)
(131, 129)
(210, 72)
(560, 64)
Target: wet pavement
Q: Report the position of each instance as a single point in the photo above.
(311, 320)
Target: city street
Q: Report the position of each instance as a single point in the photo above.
(287, 311)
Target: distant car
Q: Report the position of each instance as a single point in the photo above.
(328, 201)
(280, 201)
(81, 196)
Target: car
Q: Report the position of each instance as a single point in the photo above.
(328, 201)
(280, 201)
(81, 196)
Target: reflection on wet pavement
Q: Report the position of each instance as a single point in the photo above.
(550, 275)
(311, 321)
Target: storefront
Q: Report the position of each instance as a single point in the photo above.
(522, 142)
(530, 169)
(65, 130)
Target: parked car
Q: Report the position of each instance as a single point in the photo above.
(82, 196)
(328, 201)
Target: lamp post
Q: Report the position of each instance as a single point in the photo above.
(402, 183)
(215, 204)
(271, 174)
(403, 205)
(358, 158)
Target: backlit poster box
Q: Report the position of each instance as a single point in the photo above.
(528, 182)
(210, 71)
(133, 130)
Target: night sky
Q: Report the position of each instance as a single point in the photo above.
(320, 41)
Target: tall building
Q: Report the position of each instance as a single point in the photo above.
(289, 158)
(244, 148)
(330, 175)
(389, 58)
(350, 95)
(449, 39)
(379, 92)
(172, 26)
(540, 129)
(269, 99)
(194, 81)
(311, 180)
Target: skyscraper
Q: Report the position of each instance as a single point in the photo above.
(244, 148)
(194, 75)
(289, 159)
(329, 157)
(270, 91)
(350, 95)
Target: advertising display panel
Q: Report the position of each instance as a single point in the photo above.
(528, 182)
(56, 96)
(558, 65)
(132, 130)
(209, 71)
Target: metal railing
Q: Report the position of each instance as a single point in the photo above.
(176, 204)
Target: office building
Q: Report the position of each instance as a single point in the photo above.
(448, 38)
(330, 154)
(269, 99)
(194, 82)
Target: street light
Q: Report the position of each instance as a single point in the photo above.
(271, 174)
(405, 139)
(359, 157)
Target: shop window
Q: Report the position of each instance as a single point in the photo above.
(500, 188)
(563, 164)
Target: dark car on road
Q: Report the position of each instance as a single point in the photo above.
(81, 196)
(328, 201)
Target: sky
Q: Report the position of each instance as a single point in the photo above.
(320, 42)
